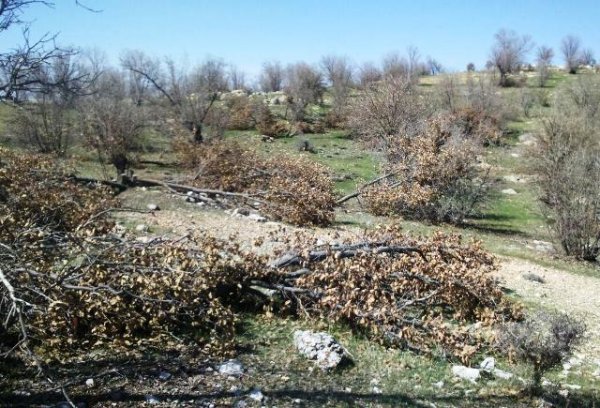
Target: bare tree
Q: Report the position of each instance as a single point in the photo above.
(415, 67)
(23, 69)
(434, 67)
(368, 74)
(211, 76)
(509, 52)
(587, 57)
(448, 92)
(544, 57)
(390, 109)
(395, 66)
(304, 86)
(272, 77)
(237, 78)
(47, 122)
(338, 72)
(570, 49)
(191, 95)
(111, 121)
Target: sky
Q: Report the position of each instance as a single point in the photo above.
(249, 32)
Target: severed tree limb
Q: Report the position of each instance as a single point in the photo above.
(359, 191)
(343, 251)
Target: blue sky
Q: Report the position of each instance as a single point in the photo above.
(249, 32)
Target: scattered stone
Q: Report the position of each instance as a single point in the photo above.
(321, 347)
(509, 191)
(512, 178)
(488, 364)
(256, 395)
(572, 386)
(164, 375)
(533, 277)
(153, 207)
(504, 375)
(527, 139)
(515, 155)
(89, 383)
(542, 246)
(141, 228)
(256, 217)
(563, 393)
(231, 368)
(151, 399)
(439, 384)
(377, 390)
(466, 373)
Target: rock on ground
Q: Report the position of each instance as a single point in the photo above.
(466, 373)
(321, 347)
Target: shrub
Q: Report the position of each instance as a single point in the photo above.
(242, 112)
(266, 124)
(542, 340)
(566, 161)
(433, 176)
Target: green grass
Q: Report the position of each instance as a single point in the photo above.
(380, 376)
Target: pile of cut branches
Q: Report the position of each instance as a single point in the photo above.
(292, 189)
(68, 283)
(422, 295)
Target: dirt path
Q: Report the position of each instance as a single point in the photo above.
(562, 291)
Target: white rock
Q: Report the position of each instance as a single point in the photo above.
(505, 375)
(231, 368)
(321, 347)
(509, 191)
(141, 228)
(488, 364)
(89, 383)
(153, 207)
(256, 217)
(256, 395)
(466, 373)
(439, 384)
(572, 386)
(377, 390)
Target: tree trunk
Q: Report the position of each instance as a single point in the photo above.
(197, 130)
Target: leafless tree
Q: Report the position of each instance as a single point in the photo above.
(509, 52)
(587, 57)
(304, 86)
(570, 48)
(368, 74)
(47, 122)
(111, 120)
(211, 76)
(388, 109)
(434, 67)
(544, 57)
(237, 78)
(338, 72)
(272, 77)
(23, 69)
(448, 92)
(190, 94)
(395, 66)
(415, 67)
